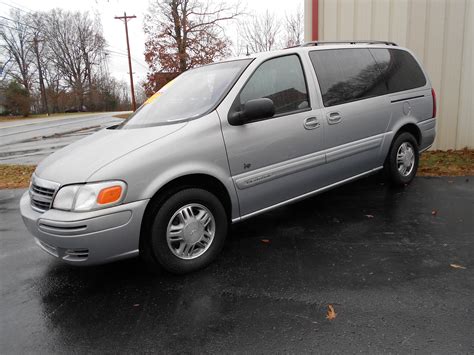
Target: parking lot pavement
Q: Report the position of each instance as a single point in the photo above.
(30, 141)
(380, 256)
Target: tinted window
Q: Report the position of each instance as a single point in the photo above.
(400, 69)
(281, 80)
(346, 75)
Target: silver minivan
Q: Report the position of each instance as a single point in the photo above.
(227, 141)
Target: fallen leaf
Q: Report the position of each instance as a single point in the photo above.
(266, 241)
(331, 314)
(368, 215)
(457, 266)
(434, 212)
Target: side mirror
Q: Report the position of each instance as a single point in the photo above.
(253, 110)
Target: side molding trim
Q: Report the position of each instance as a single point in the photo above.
(308, 194)
(279, 170)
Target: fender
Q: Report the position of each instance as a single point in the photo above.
(191, 168)
(197, 148)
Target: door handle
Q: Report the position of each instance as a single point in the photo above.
(311, 123)
(334, 117)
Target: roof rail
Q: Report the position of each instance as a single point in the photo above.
(318, 43)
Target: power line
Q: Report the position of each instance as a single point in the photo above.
(22, 6)
(10, 27)
(19, 22)
(123, 54)
(14, 7)
(118, 50)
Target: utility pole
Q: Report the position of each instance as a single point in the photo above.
(40, 72)
(125, 19)
(89, 80)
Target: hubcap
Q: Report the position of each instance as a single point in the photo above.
(405, 159)
(190, 231)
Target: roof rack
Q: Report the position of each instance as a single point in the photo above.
(318, 43)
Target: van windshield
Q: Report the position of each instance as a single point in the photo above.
(189, 96)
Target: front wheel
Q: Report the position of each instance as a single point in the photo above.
(187, 232)
(402, 161)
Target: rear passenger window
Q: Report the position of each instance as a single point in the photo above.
(281, 80)
(400, 69)
(347, 75)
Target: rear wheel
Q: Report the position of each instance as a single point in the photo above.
(187, 231)
(402, 161)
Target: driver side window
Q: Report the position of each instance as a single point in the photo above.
(280, 79)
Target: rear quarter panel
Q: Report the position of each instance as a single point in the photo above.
(413, 106)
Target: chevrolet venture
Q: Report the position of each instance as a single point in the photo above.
(227, 141)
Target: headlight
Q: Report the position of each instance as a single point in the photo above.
(91, 196)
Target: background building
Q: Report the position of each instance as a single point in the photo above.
(440, 32)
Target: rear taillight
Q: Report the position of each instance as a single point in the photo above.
(433, 95)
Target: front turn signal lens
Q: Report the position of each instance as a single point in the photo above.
(109, 195)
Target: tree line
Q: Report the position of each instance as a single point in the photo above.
(56, 61)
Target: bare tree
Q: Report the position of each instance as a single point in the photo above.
(16, 38)
(261, 32)
(75, 44)
(294, 28)
(182, 34)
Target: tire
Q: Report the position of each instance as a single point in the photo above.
(187, 231)
(401, 171)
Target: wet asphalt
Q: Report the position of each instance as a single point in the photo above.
(381, 256)
(29, 141)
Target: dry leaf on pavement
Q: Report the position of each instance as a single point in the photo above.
(331, 313)
(457, 266)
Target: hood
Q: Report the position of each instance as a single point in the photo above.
(78, 161)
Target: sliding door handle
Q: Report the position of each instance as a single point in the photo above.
(334, 117)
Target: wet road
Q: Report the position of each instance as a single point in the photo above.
(30, 141)
(379, 255)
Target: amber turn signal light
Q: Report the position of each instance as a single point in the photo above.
(109, 195)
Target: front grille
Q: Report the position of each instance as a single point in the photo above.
(41, 205)
(42, 190)
(42, 193)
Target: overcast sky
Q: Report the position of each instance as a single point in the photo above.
(114, 30)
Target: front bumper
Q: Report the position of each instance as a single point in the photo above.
(86, 238)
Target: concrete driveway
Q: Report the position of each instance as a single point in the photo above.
(31, 140)
(380, 256)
